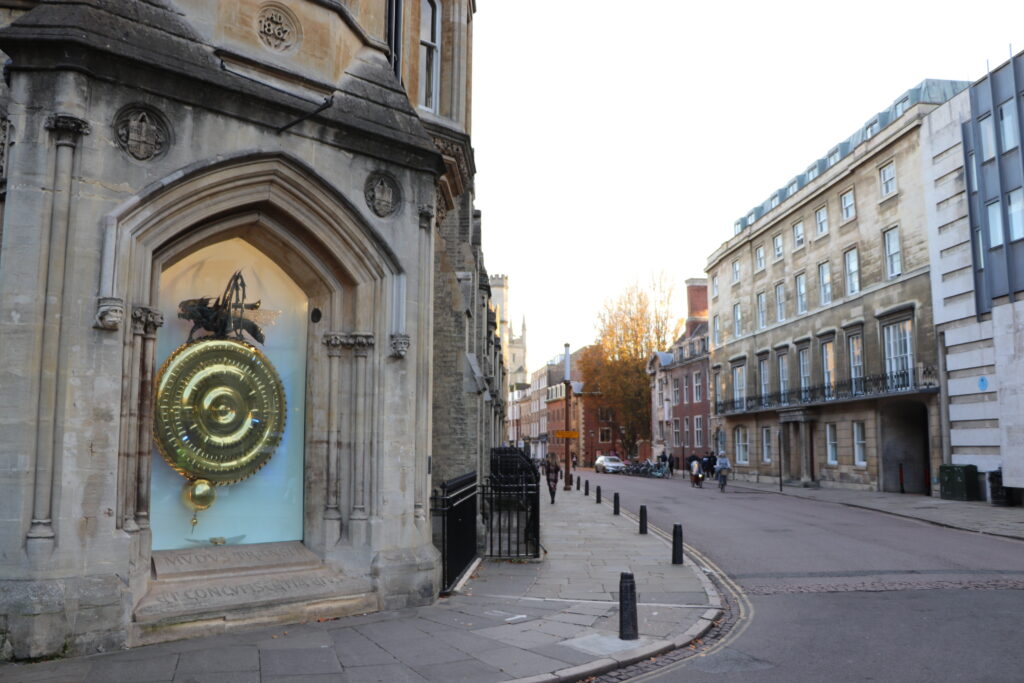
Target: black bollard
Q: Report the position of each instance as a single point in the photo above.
(677, 544)
(586, 488)
(615, 503)
(577, 483)
(627, 607)
(598, 499)
(643, 519)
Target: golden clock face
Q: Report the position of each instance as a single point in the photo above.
(220, 410)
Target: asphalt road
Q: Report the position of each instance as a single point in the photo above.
(833, 593)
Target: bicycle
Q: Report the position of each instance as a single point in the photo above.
(723, 478)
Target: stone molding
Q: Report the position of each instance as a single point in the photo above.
(360, 342)
(67, 128)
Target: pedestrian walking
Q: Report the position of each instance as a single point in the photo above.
(696, 473)
(722, 469)
(552, 472)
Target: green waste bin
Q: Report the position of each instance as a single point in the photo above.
(958, 482)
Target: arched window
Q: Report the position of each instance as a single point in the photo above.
(430, 42)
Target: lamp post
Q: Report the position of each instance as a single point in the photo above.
(568, 393)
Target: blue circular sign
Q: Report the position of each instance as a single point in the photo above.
(983, 384)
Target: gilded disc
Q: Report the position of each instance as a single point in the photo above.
(220, 410)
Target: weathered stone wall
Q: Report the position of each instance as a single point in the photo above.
(76, 559)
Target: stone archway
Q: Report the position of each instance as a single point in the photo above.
(278, 207)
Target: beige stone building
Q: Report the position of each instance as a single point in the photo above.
(823, 355)
(152, 149)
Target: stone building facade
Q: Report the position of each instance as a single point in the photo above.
(973, 177)
(822, 339)
(153, 148)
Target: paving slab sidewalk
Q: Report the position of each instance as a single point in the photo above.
(551, 620)
(982, 517)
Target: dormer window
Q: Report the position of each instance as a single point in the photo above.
(833, 157)
(791, 190)
(870, 130)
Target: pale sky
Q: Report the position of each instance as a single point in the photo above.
(615, 140)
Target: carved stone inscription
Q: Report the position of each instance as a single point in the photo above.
(216, 560)
(277, 27)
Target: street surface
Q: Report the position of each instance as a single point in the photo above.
(830, 592)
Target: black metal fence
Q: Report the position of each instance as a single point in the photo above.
(453, 510)
(873, 386)
(510, 505)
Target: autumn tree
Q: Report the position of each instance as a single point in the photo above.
(630, 328)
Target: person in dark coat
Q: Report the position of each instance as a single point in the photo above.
(552, 472)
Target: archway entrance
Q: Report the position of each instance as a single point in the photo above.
(904, 452)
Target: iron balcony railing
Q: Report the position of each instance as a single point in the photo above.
(924, 379)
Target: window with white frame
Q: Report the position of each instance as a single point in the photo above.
(739, 440)
(899, 354)
(675, 432)
(430, 63)
(714, 286)
(751, 217)
(762, 310)
(855, 345)
(792, 188)
(686, 388)
(893, 257)
(847, 205)
(828, 369)
(831, 444)
(775, 200)
(762, 379)
(783, 378)
(860, 450)
(780, 302)
(821, 220)
(686, 431)
(698, 388)
(803, 357)
(759, 258)
(675, 391)
(604, 435)
(737, 320)
(852, 261)
(766, 444)
(698, 431)
(801, 293)
(661, 430)
(739, 384)
(1015, 209)
(1008, 126)
(777, 246)
(735, 271)
(871, 130)
(995, 223)
(824, 283)
(988, 138)
(812, 173)
(901, 106)
(833, 157)
(737, 227)
(716, 332)
(887, 178)
(798, 235)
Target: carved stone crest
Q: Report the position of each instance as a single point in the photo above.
(277, 27)
(382, 194)
(142, 132)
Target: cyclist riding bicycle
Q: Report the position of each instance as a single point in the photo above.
(722, 469)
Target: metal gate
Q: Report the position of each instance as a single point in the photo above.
(510, 506)
(453, 511)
